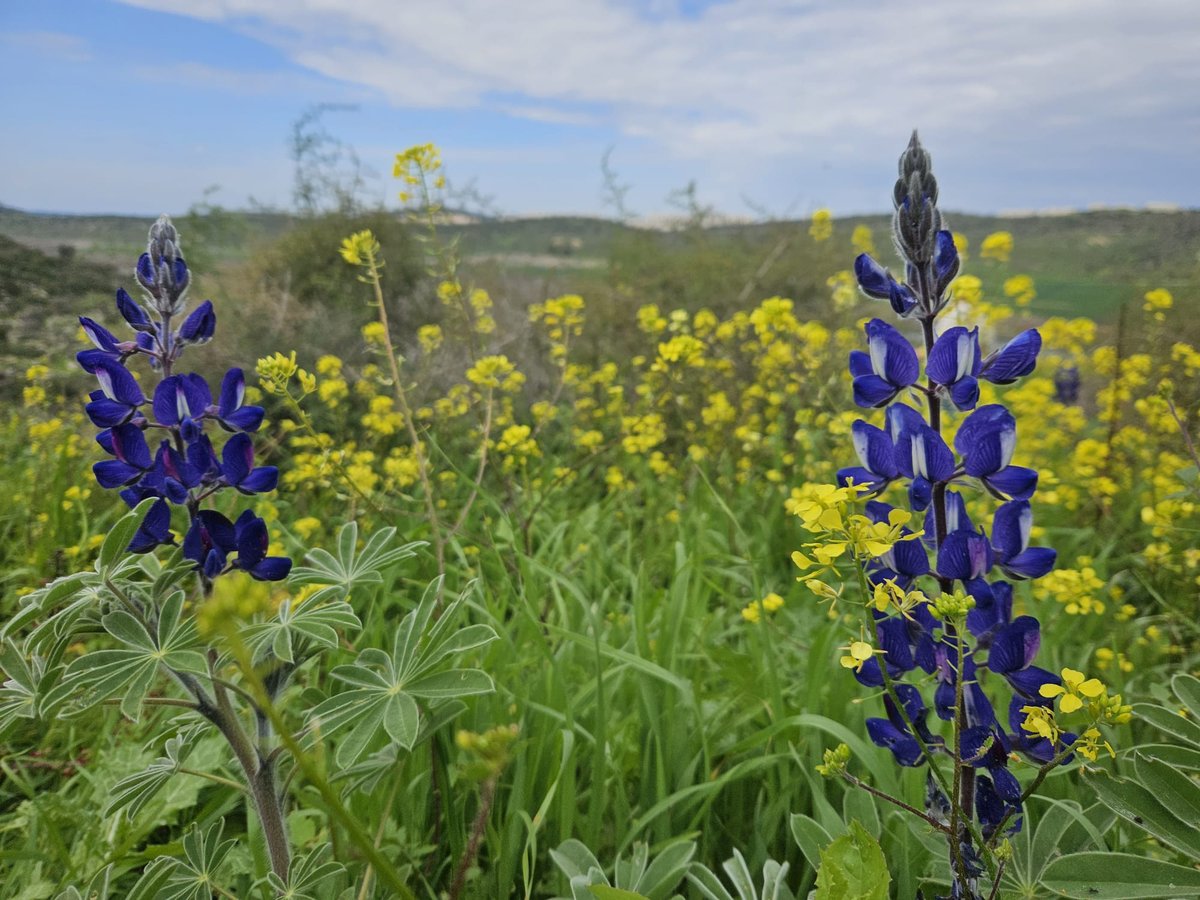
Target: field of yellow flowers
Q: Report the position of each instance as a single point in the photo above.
(618, 526)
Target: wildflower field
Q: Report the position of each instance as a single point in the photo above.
(389, 581)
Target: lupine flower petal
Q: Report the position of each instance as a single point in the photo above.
(237, 458)
(871, 391)
(945, 259)
(873, 278)
(200, 325)
(1033, 563)
(1013, 483)
(901, 417)
(154, 530)
(860, 364)
(1015, 646)
(132, 312)
(964, 555)
(892, 356)
(1015, 359)
(954, 356)
(903, 745)
(99, 335)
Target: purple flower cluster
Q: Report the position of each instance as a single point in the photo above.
(184, 469)
(954, 552)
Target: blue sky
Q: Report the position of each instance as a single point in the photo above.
(139, 106)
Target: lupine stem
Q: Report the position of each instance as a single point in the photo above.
(962, 800)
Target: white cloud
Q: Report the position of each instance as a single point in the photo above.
(795, 83)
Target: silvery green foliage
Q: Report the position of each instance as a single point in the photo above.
(387, 690)
(637, 876)
(134, 613)
(772, 885)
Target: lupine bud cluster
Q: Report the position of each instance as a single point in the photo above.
(159, 445)
(975, 639)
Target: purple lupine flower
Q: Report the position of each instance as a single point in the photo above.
(946, 261)
(923, 457)
(185, 470)
(237, 465)
(119, 396)
(889, 366)
(182, 400)
(250, 535)
(1013, 650)
(154, 530)
(876, 282)
(131, 311)
(954, 363)
(893, 732)
(200, 325)
(209, 541)
(877, 455)
(230, 412)
(1010, 538)
(127, 443)
(986, 441)
(1014, 360)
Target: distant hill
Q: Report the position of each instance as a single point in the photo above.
(1084, 263)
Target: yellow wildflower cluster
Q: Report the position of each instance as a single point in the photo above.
(821, 227)
(1080, 591)
(1156, 302)
(1077, 693)
(826, 511)
(563, 318)
(862, 240)
(495, 373)
(360, 248)
(1020, 289)
(754, 610)
(414, 166)
(998, 246)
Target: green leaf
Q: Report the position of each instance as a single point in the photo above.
(400, 719)
(604, 892)
(136, 791)
(1179, 793)
(1133, 802)
(117, 542)
(1169, 721)
(382, 697)
(811, 837)
(1174, 755)
(1187, 689)
(853, 868)
(454, 683)
(1119, 876)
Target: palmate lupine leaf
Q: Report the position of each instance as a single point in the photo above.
(638, 876)
(385, 688)
(130, 669)
(19, 690)
(773, 885)
(37, 604)
(295, 629)
(310, 877)
(106, 886)
(367, 774)
(351, 567)
(134, 792)
(193, 875)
